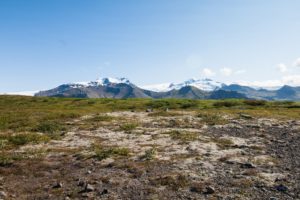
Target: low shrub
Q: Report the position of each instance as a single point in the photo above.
(212, 119)
(26, 138)
(255, 102)
(128, 127)
(149, 154)
(183, 136)
(49, 127)
(102, 153)
(228, 103)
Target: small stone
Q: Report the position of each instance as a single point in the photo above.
(58, 185)
(89, 188)
(245, 116)
(105, 191)
(89, 171)
(81, 183)
(273, 198)
(149, 110)
(281, 188)
(248, 165)
(3, 194)
(209, 190)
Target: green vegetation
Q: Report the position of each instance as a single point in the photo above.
(53, 129)
(172, 181)
(183, 136)
(49, 115)
(211, 118)
(128, 127)
(226, 103)
(149, 154)
(7, 140)
(8, 158)
(102, 153)
(164, 114)
(100, 118)
(95, 122)
(223, 143)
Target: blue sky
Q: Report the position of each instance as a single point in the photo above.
(46, 43)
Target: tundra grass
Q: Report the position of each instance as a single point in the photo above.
(48, 115)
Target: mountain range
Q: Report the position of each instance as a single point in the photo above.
(190, 89)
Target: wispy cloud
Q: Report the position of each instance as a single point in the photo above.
(226, 71)
(297, 62)
(282, 67)
(208, 72)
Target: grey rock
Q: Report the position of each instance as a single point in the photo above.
(245, 116)
(247, 165)
(281, 188)
(3, 194)
(58, 185)
(89, 188)
(209, 190)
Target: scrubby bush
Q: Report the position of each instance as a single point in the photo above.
(23, 138)
(183, 136)
(255, 102)
(225, 104)
(49, 127)
(102, 153)
(128, 127)
(149, 154)
(212, 118)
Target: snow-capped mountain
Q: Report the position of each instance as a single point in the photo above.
(202, 84)
(100, 82)
(191, 89)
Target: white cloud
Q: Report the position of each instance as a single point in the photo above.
(297, 62)
(226, 71)
(292, 80)
(238, 72)
(208, 72)
(282, 67)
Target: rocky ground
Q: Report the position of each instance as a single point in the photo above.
(161, 155)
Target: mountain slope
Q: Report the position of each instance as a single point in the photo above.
(104, 88)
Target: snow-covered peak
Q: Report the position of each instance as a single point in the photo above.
(107, 81)
(202, 84)
(100, 81)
